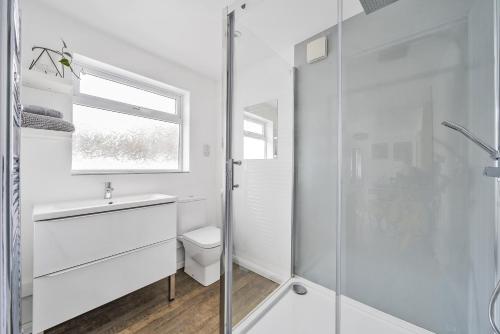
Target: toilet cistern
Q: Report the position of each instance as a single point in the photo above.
(108, 190)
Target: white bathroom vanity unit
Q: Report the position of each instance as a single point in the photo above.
(88, 253)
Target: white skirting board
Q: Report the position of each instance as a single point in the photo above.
(275, 277)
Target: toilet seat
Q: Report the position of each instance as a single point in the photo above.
(205, 237)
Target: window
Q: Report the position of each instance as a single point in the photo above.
(257, 137)
(126, 123)
(254, 127)
(107, 89)
(254, 148)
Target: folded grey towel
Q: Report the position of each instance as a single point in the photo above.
(42, 111)
(45, 122)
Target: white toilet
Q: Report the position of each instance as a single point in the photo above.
(202, 243)
(203, 250)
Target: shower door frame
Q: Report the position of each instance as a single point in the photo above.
(226, 280)
(496, 144)
(10, 112)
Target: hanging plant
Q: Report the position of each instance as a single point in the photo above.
(65, 59)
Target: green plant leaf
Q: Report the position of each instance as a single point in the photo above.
(65, 61)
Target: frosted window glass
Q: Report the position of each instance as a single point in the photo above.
(254, 148)
(111, 90)
(106, 140)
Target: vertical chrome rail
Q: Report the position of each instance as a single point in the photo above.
(293, 222)
(338, 265)
(227, 240)
(4, 232)
(493, 312)
(10, 109)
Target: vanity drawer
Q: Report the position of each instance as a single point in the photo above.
(61, 296)
(67, 242)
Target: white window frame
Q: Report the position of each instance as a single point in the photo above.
(265, 136)
(108, 72)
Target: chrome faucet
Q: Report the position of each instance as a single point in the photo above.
(108, 190)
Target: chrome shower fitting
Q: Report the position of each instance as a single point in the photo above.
(491, 307)
(492, 152)
(491, 172)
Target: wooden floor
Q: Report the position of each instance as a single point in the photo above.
(195, 309)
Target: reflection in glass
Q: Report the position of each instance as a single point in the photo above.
(254, 148)
(254, 127)
(260, 131)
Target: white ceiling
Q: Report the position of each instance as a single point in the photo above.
(189, 32)
(281, 24)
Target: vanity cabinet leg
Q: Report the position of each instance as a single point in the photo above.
(171, 287)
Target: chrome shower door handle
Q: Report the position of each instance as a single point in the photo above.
(235, 163)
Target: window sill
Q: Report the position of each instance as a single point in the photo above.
(126, 172)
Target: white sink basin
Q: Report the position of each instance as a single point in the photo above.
(85, 207)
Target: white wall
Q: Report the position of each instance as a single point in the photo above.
(46, 159)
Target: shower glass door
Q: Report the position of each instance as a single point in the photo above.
(262, 137)
(418, 228)
(262, 125)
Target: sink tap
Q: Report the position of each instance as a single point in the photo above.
(108, 190)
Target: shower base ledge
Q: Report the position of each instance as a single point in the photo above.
(284, 311)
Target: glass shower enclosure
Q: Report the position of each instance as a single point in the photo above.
(419, 218)
(340, 172)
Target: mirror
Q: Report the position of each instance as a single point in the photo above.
(260, 131)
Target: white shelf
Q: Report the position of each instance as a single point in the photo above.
(45, 134)
(51, 83)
